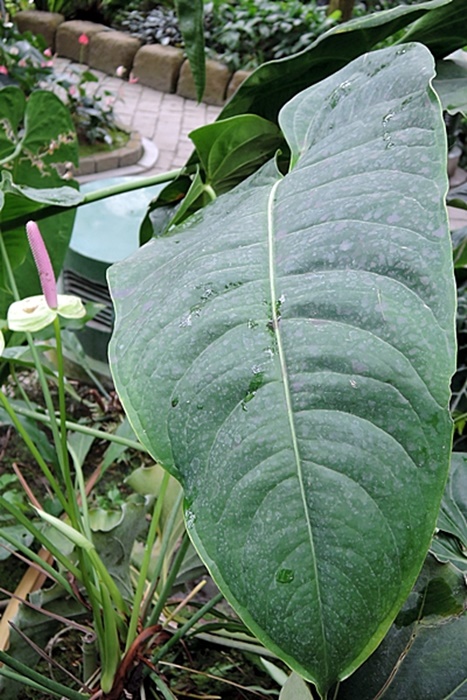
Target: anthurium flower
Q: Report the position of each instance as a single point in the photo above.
(37, 312)
(33, 313)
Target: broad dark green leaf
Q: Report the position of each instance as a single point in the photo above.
(451, 82)
(274, 83)
(453, 514)
(457, 196)
(231, 150)
(199, 195)
(44, 136)
(160, 210)
(459, 245)
(287, 355)
(424, 655)
(443, 30)
(190, 17)
(12, 105)
(59, 196)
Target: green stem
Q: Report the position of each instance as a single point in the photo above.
(210, 192)
(174, 569)
(28, 673)
(136, 184)
(151, 538)
(185, 628)
(32, 556)
(9, 269)
(34, 451)
(89, 656)
(37, 362)
(79, 428)
(65, 461)
(236, 644)
(107, 580)
(168, 529)
(19, 516)
(12, 156)
(161, 686)
(18, 385)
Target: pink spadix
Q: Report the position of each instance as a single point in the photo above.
(43, 264)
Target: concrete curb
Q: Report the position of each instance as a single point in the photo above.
(160, 67)
(145, 163)
(119, 158)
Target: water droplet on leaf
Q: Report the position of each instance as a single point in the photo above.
(285, 576)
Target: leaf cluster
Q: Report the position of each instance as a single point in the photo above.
(22, 58)
(244, 34)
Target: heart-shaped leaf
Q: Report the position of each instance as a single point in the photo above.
(36, 136)
(287, 354)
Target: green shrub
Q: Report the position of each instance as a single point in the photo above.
(251, 32)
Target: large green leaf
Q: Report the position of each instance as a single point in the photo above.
(274, 83)
(232, 149)
(190, 17)
(287, 353)
(424, 655)
(443, 30)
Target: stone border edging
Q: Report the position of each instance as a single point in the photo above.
(129, 154)
(163, 68)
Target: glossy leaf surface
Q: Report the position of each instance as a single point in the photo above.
(287, 354)
(424, 654)
(190, 17)
(271, 85)
(232, 149)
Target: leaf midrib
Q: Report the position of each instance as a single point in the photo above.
(288, 401)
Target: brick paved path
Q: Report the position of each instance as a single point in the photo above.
(164, 119)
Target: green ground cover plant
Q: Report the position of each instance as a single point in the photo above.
(25, 61)
(283, 348)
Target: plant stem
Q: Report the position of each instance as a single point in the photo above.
(40, 371)
(168, 529)
(174, 569)
(187, 626)
(45, 683)
(65, 461)
(236, 644)
(89, 656)
(136, 184)
(161, 686)
(34, 451)
(18, 385)
(9, 269)
(12, 156)
(79, 428)
(138, 597)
